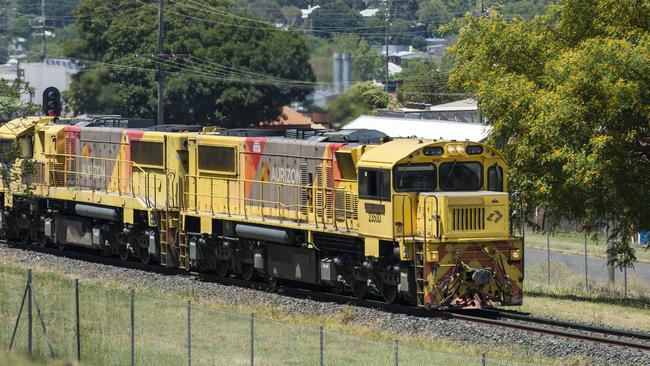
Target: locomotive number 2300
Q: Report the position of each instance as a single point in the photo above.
(374, 217)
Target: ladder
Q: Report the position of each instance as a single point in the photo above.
(419, 249)
(171, 240)
(163, 239)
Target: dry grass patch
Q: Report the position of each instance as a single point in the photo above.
(567, 298)
(574, 243)
(220, 334)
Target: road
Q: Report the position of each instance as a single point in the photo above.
(597, 266)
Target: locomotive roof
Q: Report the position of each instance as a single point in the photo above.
(17, 127)
(398, 149)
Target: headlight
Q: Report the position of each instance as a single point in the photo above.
(455, 149)
(515, 255)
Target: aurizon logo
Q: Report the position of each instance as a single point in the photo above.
(265, 173)
(86, 150)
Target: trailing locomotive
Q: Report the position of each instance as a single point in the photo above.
(421, 221)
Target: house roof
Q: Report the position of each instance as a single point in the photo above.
(289, 117)
(370, 12)
(458, 105)
(423, 128)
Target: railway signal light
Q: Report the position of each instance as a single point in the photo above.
(52, 102)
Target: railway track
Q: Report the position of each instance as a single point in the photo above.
(612, 336)
(501, 318)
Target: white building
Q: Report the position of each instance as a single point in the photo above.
(370, 12)
(305, 13)
(423, 128)
(41, 75)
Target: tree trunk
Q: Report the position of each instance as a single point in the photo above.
(610, 264)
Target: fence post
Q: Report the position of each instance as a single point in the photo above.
(252, 339)
(189, 332)
(586, 266)
(483, 359)
(396, 349)
(625, 278)
(30, 317)
(132, 327)
(78, 327)
(548, 256)
(20, 312)
(322, 358)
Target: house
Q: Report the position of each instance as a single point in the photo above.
(423, 128)
(465, 110)
(41, 75)
(305, 13)
(370, 12)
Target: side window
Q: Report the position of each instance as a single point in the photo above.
(217, 158)
(495, 178)
(374, 184)
(147, 153)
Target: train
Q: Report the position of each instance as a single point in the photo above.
(421, 222)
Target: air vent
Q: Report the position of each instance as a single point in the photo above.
(468, 219)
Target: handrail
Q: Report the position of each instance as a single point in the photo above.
(278, 207)
(518, 196)
(425, 217)
(403, 214)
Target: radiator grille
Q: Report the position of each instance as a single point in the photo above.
(468, 219)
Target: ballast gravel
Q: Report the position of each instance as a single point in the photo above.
(433, 328)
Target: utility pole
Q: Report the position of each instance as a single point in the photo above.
(44, 50)
(386, 43)
(156, 58)
(161, 77)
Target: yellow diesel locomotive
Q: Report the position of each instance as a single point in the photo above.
(421, 221)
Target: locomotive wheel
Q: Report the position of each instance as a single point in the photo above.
(43, 241)
(359, 289)
(389, 293)
(105, 251)
(145, 256)
(124, 253)
(248, 272)
(25, 237)
(223, 267)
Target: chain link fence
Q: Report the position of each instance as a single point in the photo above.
(107, 325)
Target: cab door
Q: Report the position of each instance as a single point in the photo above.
(375, 206)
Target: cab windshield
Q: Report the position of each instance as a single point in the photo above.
(415, 178)
(457, 176)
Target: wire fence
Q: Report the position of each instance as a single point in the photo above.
(111, 326)
(580, 261)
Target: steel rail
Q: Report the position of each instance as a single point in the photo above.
(551, 331)
(484, 316)
(564, 323)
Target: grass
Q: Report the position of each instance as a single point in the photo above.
(220, 334)
(574, 243)
(566, 297)
(15, 359)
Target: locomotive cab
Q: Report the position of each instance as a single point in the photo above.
(444, 208)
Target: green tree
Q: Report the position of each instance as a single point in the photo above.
(268, 10)
(292, 14)
(10, 103)
(239, 72)
(423, 82)
(363, 98)
(568, 95)
(334, 18)
(433, 13)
